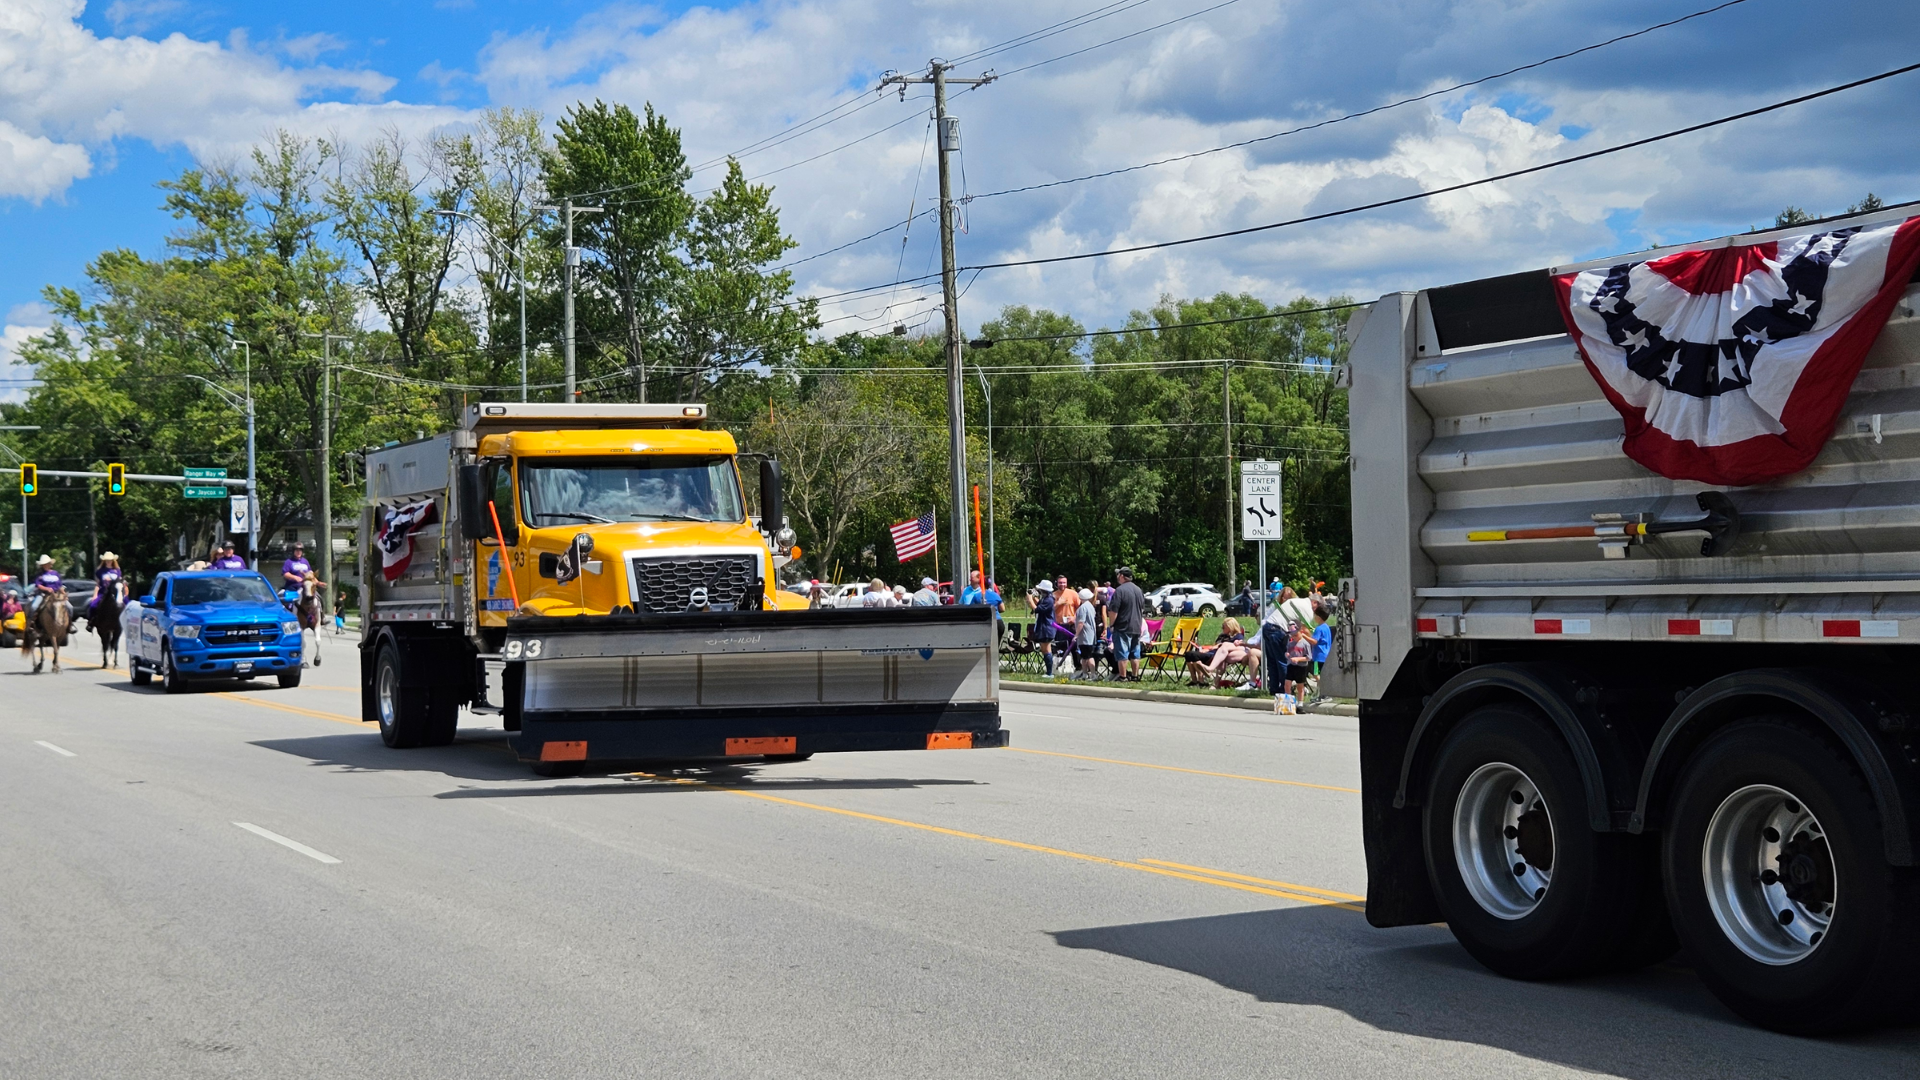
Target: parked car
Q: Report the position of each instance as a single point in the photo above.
(1195, 597)
(16, 625)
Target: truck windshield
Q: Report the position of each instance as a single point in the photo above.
(641, 488)
(215, 590)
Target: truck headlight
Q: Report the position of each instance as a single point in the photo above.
(186, 630)
(289, 627)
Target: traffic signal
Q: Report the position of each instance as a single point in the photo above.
(29, 478)
(116, 479)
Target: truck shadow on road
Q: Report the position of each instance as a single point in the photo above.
(484, 755)
(1655, 1024)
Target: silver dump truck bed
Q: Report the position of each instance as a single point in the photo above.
(1463, 420)
(1606, 714)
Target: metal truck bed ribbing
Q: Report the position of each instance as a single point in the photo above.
(1467, 417)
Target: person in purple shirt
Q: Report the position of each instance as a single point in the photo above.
(47, 582)
(294, 570)
(110, 579)
(227, 560)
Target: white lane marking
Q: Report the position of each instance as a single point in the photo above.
(55, 749)
(284, 842)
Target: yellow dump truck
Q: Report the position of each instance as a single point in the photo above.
(593, 575)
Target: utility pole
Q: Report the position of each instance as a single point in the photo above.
(323, 515)
(1226, 408)
(948, 129)
(572, 261)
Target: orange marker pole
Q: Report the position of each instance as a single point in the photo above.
(979, 549)
(500, 535)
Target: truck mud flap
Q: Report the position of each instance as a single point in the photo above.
(755, 683)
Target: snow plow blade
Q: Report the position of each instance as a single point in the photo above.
(616, 688)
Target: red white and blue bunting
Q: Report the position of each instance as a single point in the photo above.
(1731, 364)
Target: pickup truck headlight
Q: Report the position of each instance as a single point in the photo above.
(186, 630)
(289, 627)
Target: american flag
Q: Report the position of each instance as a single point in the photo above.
(912, 539)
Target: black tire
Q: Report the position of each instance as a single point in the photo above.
(170, 678)
(1208, 611)
(1858, 973)
(140, 675)
(409, 717)
(1576, 901)
(288, 679)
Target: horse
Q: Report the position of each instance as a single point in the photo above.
(104, 620)
(47, 625)
(310, 611)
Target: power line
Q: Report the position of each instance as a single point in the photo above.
(1451, 188)
(984, 342)
(1122, 37)
(1083, 19)
(1364, 112)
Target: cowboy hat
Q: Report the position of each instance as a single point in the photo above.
(44, 560)
(108, 556)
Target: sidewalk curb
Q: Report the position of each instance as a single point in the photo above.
(1260, 704)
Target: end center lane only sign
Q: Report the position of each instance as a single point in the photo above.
(1260, 500)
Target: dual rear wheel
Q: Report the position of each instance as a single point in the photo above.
(409, 716)
(1771, 871)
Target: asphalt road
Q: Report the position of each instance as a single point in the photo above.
(244, 882)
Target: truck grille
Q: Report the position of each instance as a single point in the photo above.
(241, 634)
(667, 584)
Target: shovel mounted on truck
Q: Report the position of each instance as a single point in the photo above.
(591, 575)
(1722, 526)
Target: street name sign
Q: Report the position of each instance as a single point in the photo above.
(1260, 500)
(194, 492)
(204, 474)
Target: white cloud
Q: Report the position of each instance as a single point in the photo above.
(23, 322)
(34, 166)
(64, 89)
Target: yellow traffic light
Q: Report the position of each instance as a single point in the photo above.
(116, 479)
(29, 478)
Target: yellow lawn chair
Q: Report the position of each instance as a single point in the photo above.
(1174, 648)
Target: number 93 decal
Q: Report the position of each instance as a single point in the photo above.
(527, 650)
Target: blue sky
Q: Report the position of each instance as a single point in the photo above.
(99, 101)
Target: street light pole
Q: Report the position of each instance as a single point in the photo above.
(520, 256)
(26, 548)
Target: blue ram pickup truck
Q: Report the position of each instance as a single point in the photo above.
(210, 624)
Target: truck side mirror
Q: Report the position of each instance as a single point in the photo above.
(146, 601)
(475, 523)
(773, 508)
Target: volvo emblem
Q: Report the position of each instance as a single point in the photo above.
(697, 598)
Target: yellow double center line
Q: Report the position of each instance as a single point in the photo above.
(1286, 890)
(339, 718)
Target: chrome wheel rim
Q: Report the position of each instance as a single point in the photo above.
(384, 694)
(1503, 840)
(1769, 874)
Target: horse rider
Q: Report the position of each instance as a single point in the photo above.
(109, 579)
(296, 568)
(227, 560)
(47, 584)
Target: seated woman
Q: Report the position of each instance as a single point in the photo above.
(1204, 667)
